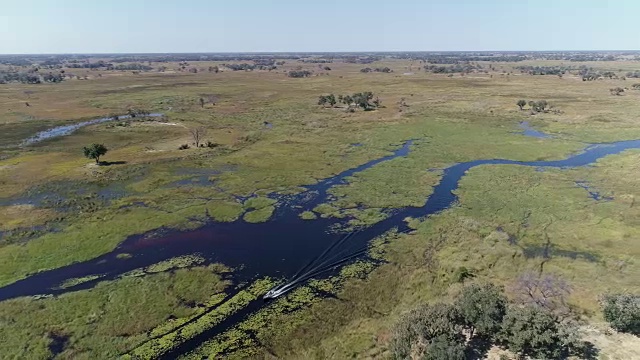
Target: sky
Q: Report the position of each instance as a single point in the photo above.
(148, 26)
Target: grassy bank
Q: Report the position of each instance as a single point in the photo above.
(58, 208)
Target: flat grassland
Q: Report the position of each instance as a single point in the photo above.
(58, 208)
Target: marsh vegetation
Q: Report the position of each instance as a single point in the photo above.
(264, 158)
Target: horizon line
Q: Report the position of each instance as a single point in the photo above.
(315, 52)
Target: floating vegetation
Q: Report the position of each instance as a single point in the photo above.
(243, 340)
(173, 324)
(198, 324)
(77, 281)
(261, 215)
(225, 211)
(308, 215)
(257, 203)
(176, 263)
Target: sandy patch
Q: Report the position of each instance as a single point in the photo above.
(612, 345)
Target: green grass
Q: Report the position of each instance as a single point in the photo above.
(158, 346)
(258, 203)
(308, 215)
(96, 235)
(106, 321)
(423, 266)
(260, 215)
(451, 119)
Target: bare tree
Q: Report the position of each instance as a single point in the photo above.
(198, 133)
(548, 291)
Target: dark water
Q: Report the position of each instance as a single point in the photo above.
(595, 195)
(58, 342)
(527, 130)
(68, 129)
(280, 247)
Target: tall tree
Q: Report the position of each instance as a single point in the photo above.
(427, 332)
(95, 151)
(482, 307)
(532, 331)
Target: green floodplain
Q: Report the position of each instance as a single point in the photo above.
(58, 207)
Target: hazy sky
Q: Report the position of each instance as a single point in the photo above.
(87, 26)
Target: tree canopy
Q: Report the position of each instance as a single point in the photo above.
(429, 331)
(482, 307)
(480, 312)
(622, 311)
(95, 151)
(536, 332)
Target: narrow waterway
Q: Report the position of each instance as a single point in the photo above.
(68, 129)
(280, 247)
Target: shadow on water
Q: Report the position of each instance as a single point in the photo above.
(278, 248)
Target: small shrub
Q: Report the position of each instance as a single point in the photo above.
(211, 145)
(183, 147)
(299, 73)
(251, 137)
(616, 91)
(622, 311)
(461, 274)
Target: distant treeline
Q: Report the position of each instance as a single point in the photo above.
(316, 61)
(448, 59)
(543, 70)
(457, 68)
(30, 77)
(357, 58)
(585, 72)
(108, 66)
(383, 70)
(249, 67)
(361, 60)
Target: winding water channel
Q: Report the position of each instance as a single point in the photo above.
(280, 247)
(68, 129)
